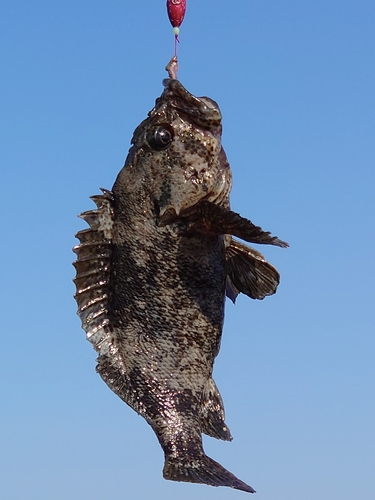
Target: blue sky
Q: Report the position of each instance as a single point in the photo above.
(295, 82)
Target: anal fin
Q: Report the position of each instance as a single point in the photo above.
(212, 413)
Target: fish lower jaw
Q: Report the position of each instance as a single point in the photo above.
(168, 213)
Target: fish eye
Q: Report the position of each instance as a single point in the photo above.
(160, 137)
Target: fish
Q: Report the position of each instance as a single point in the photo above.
(153, 270)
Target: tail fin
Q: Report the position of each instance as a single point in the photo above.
(202, 470)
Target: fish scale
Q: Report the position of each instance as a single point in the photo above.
(153, 271)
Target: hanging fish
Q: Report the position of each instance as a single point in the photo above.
(153, 270)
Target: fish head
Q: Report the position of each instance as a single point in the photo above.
(177, 157)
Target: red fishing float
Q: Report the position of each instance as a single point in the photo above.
(176, 13)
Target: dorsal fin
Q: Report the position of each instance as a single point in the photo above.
(93, 270)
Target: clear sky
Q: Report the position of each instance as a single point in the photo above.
(296, 84)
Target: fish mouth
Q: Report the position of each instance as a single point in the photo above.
(203, 111)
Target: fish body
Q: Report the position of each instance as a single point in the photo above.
(153, 271)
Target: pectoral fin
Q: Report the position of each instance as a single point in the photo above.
(206, 217)
(249, 272)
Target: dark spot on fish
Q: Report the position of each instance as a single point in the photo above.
(165, 196)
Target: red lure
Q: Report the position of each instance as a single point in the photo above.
(176, 12)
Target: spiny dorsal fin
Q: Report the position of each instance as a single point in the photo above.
(93, 272)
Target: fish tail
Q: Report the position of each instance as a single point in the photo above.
(203, 470)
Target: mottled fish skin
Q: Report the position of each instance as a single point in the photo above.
(153, 270)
